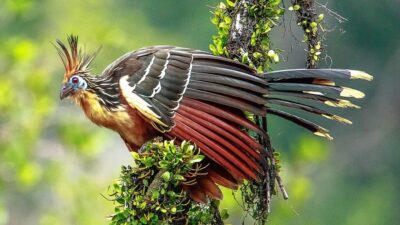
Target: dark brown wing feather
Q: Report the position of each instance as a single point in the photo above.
(153, 80)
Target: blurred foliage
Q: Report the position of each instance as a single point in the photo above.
(55, 163)
(49, 152)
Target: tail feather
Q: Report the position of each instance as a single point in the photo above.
(308, 81)
(308, 108)
(318, 73)
(314, 128)
(288, 87)
(317, 89)
(341, 103)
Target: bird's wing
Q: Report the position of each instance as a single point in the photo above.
(153, 81)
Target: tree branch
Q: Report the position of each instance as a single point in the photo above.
(310, 22)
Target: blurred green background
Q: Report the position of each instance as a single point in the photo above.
(55, 165)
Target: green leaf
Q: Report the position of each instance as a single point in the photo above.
(197, 158)
(230, 3)
(274, 2)
(276, 58)
(171, 193)
(271, 53)
(220, 50)
(227, 20)
(320, 18)
(245, 57)
(253, 40)
(179, 177)
(187, 148)
(318, 46)
(143, 220)
(155, 194)
(163, 164)
(260, 69)
(135, 155)
(313, 24)
(166, 176)
(173, 210)
(296, 7)
(215, 20)
(257, 55)
(142, 205)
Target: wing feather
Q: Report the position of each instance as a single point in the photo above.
(156, 88)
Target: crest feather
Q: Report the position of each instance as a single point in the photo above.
(74, 59)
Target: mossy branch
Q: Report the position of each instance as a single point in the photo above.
(151, 191)
(312, 24)
(243, 31)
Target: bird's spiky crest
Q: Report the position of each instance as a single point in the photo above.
(74, 59)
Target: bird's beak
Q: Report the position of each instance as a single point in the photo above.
(66, 91)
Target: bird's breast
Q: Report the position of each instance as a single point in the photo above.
(124, 120)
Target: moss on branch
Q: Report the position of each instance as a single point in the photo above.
(151, 191)
(312, 25)
(244, 28)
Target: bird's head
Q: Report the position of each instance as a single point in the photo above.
(76, 62)
(74, 86)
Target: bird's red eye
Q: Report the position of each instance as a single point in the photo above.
(75, 80)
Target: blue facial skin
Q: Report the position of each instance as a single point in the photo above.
(76, 83)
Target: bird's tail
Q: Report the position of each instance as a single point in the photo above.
(291, 88)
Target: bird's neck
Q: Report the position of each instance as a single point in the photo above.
(105, 91)
(99, 100)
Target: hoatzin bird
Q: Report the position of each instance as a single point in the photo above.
(186, 94)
